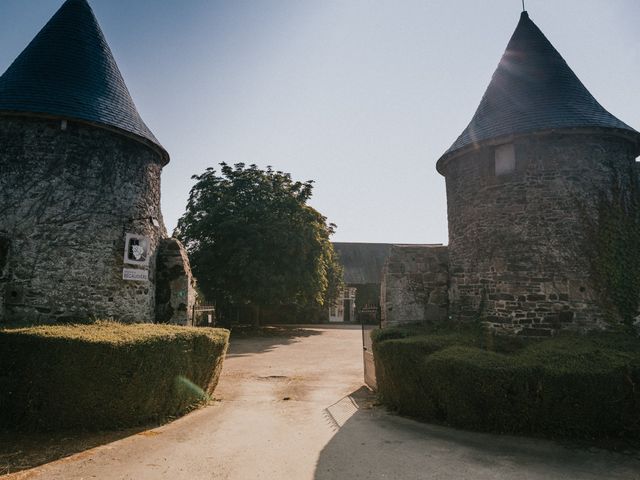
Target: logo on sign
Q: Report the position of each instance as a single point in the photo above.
(136, 249)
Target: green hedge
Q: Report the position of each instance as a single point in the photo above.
(570, 386)
(105, 375)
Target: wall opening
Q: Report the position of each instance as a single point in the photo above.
(505, 159)
(175, 295)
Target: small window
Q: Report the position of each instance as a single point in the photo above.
(505, 159)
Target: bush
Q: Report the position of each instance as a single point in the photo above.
(569, 386)
(400, 380)
(105, 375)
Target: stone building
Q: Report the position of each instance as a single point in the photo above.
(415, 284)
(80, 220)
(519, 179)
(362, 265)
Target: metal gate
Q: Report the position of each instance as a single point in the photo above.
(203, 316)
(367, 353)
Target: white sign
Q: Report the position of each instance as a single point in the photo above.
(136, 249)
(135, 274)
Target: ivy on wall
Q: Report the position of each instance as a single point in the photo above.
(612, 244)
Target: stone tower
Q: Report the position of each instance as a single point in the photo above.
(79, 178)
(532, 158)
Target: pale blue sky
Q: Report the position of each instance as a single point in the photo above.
(360, 96)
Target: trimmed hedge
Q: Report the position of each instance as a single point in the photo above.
(569, 386)
(105, 375)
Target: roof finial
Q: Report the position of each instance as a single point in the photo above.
(523, 9)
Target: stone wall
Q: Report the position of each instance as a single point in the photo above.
(4, 271)
(175, 286)
(68, 195)
(414, 285)
(515, 239)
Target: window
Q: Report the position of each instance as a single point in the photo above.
(505, 159)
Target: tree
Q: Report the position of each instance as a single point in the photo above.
(252, 239)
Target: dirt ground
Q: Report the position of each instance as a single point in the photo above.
(293, 407)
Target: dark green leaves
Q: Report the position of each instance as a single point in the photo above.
(253, 239)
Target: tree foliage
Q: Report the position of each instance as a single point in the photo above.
(253, 239)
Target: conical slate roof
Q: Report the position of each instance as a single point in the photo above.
(68, 70)
(533, 89)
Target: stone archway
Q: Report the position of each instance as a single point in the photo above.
(175, 285)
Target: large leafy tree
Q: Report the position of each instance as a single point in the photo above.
(252, 239)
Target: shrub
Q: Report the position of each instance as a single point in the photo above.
(401, 382)
(568, 386)
(497, 390)
(105, 375)
(591, 385)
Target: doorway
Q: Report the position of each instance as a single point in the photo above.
(347, 310)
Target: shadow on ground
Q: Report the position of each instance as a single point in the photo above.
(373, 444)
(20, 451)
(248, 341)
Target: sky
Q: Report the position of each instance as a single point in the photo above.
(361, 96)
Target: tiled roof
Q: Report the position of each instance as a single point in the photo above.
(68, 70)
(362, 262)
(533, 89)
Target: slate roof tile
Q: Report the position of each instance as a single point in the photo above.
(533, 89)
(362, 262)
(68, 70)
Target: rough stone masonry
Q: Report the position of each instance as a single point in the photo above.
(79, 177)
(520, 180)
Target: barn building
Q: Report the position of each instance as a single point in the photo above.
(362, 265)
